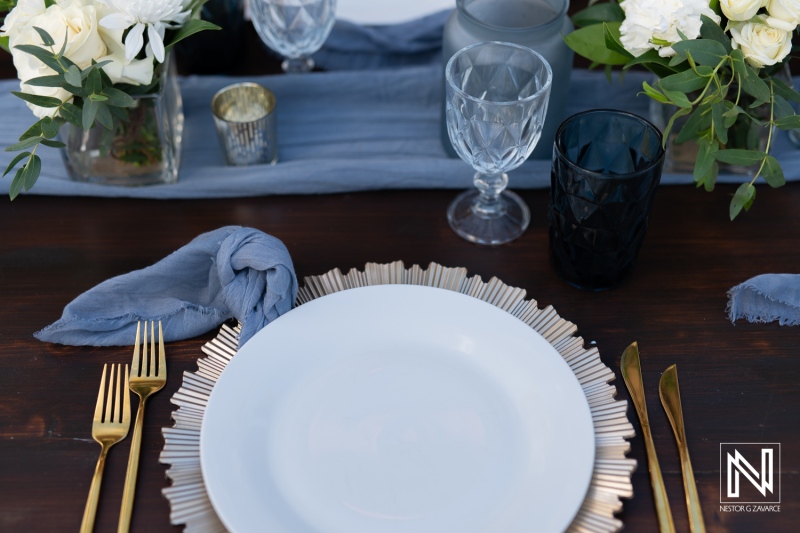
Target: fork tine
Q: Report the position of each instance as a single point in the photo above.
(162, 356)
(115, 417)
(98, 409)
(151, 362)
(126, 398)
(110, 397)
(135, 363)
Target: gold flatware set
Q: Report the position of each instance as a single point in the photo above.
(112, 416)
(668, 391)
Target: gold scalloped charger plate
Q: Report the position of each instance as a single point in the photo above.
(397, 409)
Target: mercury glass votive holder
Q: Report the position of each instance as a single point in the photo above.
(244, 114)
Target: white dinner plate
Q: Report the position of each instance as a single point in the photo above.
(383, 12)
(397, 409)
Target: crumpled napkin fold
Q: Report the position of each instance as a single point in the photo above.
(767, 298)
(231, 272)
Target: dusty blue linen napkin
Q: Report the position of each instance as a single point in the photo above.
(767, 298)
(231, 272)
(352, 46)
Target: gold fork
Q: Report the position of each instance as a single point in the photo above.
(107, 430)
(148, 376)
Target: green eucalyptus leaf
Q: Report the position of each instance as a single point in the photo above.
(589, 42)
(788, 123)
(118, 98)
(772, 172)
(782, 89)
(735, 156)
(46, 39)
(781, 108)
(4, 43)
(119, 113)
(45, 56)
(731, 114)
(191, 27)
(678, 98)
(598, 13)
(698, 122)
(56, 80)
(72, 114)
(751, 83)
(654, 93)
(94, 83)
(687, 81)
(34, 131)
(23, 145)
(88, 114)
(705, 160)
(17, 159)
(31, 172)
(50, 127)
(104, 116)
(53, 144)
(97, 98)
(681, 112)
(720, 129)
(712, 31)
(654, 63)
(73, 76)
(17, 183)
(702, 51)
(36, 99)
(743, 199)
(612, 36)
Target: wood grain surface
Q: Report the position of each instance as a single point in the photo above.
(739, 383)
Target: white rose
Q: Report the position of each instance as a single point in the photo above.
(785, 10)
(19, 17)
(649, 24)
(71, 18)
(761, 43)
(738, 10)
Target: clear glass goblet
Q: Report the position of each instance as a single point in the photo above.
(497, 95)
(294, 28)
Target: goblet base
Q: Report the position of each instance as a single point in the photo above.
(294, 65)
(501, 225)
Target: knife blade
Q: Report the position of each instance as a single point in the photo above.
(670, 395)
(631, 369)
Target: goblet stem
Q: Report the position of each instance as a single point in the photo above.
(488, 203)
(293, 65)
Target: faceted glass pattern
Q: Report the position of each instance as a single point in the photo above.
(497, 97)
(496, 102)
(606, 169)
(294, 28)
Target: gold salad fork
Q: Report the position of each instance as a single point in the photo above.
(108, 428)
(148, 376)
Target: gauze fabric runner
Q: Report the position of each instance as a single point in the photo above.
(340, 132)
(231, 272)
(767, 298)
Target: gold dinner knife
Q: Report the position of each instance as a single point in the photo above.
(632, 374)
(671, 400)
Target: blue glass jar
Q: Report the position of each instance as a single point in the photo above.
(537, 24)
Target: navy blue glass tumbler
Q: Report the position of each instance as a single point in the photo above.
(606, 169)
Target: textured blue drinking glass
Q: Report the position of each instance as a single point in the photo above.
(606, 169)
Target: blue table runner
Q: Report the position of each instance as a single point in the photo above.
(338, 131)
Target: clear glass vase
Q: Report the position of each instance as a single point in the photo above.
(145, 150)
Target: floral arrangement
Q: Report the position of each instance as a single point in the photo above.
(722, 65)
(80, 62)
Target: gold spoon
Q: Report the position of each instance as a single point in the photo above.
(671, 400)
(632, 374)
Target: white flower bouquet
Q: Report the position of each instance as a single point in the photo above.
(79, 62)
(722, 65)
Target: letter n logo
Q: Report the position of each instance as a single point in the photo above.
(748, 471)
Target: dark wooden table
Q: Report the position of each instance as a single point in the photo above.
(739, 383)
